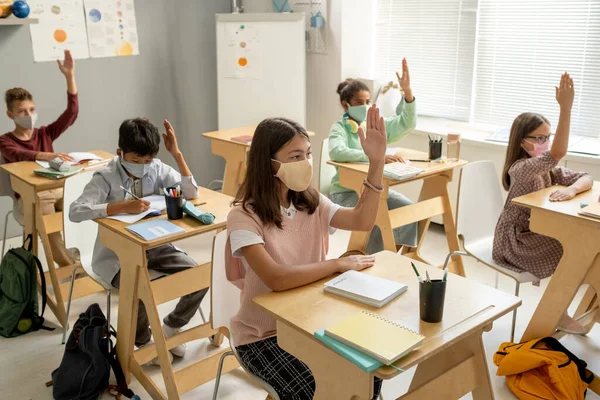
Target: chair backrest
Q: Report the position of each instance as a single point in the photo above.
(326, 171)
(480, 201)
(81, 235)
(5, 188)
(225, 301)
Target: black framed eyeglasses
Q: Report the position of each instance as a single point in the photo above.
(541, 139)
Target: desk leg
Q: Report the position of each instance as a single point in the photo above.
(574, 266)
(335, 377)
(456, 371)
(437, 186)
(235, 164)
(131, 259)
(30, 206)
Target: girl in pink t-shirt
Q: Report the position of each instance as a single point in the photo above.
(278, 239)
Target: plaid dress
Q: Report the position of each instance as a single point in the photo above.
(515, 246)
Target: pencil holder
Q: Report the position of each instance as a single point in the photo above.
(174, 206)
(431, 300)
(435, 150)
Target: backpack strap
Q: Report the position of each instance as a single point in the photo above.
(28, 242)
(554, 344)
(43, 280)
(121, 386)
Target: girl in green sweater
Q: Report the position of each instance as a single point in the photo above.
(344, 146)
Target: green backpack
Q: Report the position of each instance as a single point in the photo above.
(19, 312)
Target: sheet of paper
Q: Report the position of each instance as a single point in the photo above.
(111, 28)
(131, 218)
(243, 51)
(157, 204)
(157, 201)
(44, 164)
(61, 26)
(80, 156)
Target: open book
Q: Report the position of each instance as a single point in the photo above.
(78, 158)
(157, 205)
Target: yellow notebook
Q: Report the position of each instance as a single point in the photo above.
(375, 336)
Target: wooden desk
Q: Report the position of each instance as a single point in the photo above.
(450, 363)
(234, 154)
(433, 200)
(135, 284)
(580, 263)
(28, 185)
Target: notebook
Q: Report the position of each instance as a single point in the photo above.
(365, 288)
(157, 204)
(154, 229)
(54, 174)
(375, 336)
(242, 139)
(593, 210)
(363, 361)
(78, 158)
(400, 171)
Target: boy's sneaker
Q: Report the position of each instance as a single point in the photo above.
(155, 361)
(178, 351)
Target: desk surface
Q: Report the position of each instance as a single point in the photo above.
(540, 200)
(430, 168)
(24, 171)
(216, 203)
(468, 306)
(226, 135)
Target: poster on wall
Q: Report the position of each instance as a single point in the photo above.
(243, 51)
(61, 26)
(111, 28)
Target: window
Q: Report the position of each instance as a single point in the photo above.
(508, 56)
(524, 47)
(437, 38)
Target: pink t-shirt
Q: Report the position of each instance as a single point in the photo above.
(303, 239)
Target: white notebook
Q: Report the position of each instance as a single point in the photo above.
(364, 288)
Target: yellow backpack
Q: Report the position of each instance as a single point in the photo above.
(542, 369)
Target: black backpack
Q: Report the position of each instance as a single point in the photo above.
(84, 371)
(19, 311)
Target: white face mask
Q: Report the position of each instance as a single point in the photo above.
(295, 175)
(27, 121)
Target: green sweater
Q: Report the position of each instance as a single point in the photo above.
(345, 146)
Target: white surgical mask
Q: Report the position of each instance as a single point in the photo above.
(137, 170)
(27, 121)
(295, 175)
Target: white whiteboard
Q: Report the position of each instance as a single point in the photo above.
(272, 80)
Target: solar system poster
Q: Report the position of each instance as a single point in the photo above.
(243, 51)
(61, 26)
(111, 28)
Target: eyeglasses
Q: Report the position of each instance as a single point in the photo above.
(541, 139)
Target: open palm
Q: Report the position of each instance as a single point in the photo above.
(374, 142)
(67, 67)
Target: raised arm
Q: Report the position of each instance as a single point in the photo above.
(565, 93)
(374, 142)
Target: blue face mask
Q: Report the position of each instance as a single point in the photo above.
(137, 170)
(358, 113)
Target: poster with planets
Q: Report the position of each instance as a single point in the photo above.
(61, 26)
(243, 51)
(111, 28)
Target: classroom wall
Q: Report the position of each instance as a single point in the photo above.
(174, 77)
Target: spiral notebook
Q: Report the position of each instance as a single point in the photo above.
(375, 336)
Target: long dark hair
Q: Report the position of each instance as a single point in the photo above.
(260, 189)
(522, 126)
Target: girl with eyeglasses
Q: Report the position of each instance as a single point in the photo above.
(532, 165)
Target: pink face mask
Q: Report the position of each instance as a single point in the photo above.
(538, 149)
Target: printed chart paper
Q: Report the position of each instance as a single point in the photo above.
(61, 26)
(111, 28)
(243, 51)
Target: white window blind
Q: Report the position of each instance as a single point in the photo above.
(437, 38)
(524, 46)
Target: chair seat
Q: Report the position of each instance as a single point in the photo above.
(482, 250)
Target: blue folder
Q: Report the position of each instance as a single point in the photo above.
(363, 361)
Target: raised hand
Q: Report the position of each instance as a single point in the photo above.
(67, 67)
(404, 81)
(170, 139)
(565, 92)
(374, 142)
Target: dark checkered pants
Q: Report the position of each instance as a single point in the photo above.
(290, 377)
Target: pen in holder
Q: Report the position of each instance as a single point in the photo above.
(431, 299)
(435, 148)
(174, 203)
